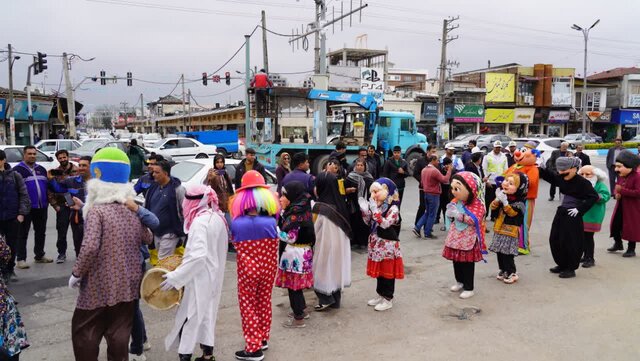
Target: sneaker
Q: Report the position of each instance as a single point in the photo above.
(250, 356)
(430, 236)
(43, 259)
(384, 305)
(265, 345)
(291, 315)
(466, 294)
(321, 307)
(374, 301)
(500, 276)
(567, 274)
(146, 346)
(134, 357)
(22, 265)
(512, 278)
(293, 323)
(457, 287)
(61, 258)
(588, 263)
(555, 269)
(416, 232)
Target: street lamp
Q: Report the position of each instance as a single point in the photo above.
(585, 32)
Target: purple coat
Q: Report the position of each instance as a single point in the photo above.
(630, 202)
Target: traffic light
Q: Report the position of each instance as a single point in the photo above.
(216, 78)
(41, 64)
(227, 78)
(103, 79)
(204, 79)
(129, 79)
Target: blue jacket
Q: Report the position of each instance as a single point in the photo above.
(14, 199)
(36, 181)
(143, 184)
(77, 187)
(250, 228)
(166, 203)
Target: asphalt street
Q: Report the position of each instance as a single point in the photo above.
(591, 317)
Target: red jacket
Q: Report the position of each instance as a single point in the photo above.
(431, 179)
(261, 80)
(630, 201)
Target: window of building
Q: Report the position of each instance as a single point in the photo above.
(593, 100)
(394, 77)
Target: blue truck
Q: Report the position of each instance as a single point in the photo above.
(226, 141)
(383, 129)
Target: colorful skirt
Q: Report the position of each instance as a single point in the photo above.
(458, 255)
(295, 268)
(385, 258)
(14, 337)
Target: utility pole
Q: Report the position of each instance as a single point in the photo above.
(10, 107)
(190, 120)
(265, 53)
(30, 108)
(447, 27)
(184, 106)
(71, 103)
(142, 112)
(247, 81)
(585, 33)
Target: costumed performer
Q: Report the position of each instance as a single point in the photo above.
(593, 218)
(624, 221)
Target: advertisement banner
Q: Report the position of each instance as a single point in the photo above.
(626, 117)
(634, 100)
(561, 92)
(465, 113)
(500, 88)
(559, 116)
(499, 115)
(3, 108)
(372, 83)
(39, 109)
(429, 111)
(524, 115)
(604, 117)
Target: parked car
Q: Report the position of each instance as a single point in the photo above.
(150, 139)
(183, 148)
(596, 137)
(545, 145)
(91, 148)
(636, 138)
(485, 142)
(51, 146)
(576, 138)
(194, 171)
(460, 142)
(15, 155)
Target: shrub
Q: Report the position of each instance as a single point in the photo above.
(609, 145)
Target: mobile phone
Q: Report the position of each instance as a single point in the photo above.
(69, 200)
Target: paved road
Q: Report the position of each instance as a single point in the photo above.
(542, 317)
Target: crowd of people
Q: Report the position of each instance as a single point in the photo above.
(297, 238)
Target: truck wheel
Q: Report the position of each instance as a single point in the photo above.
(412, 159)
(201, 156)
(222, 152)
(319, 163)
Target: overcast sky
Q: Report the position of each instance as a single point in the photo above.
(157, 40)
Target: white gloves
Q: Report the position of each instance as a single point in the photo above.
(452, 211)
(166, 284)
(573, 212)
(364, 205)
(74, 282)
(501, 196)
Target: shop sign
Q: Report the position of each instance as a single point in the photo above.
(594, 115)
(465, 113)
(524, 115)
(40, 110)
(561, 93)
(605, 117)
(372, 83)
(3, 108)
(500, 88)
(634, 100)
(559, 116)
(430, 111)
(499, 115)
(626, 117)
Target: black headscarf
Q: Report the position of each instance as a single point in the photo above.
(330, 203)
(298, 213)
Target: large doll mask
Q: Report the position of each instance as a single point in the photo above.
(460, 191)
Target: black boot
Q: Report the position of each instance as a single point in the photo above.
(617, 246)
(207, 353)
(588, 263)
(631, 250)
(184, 357)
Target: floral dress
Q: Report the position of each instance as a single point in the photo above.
(295, 266)
(13, 337)
(385, 257)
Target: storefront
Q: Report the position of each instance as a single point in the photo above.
(601, 125)
(40, 111)
(556, 123)
(466, 118)
(627, 120)
(427, 124)
(521, 121)
(496, 120)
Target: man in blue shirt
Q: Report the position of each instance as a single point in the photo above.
(300, 166)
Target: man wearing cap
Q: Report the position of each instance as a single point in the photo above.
(248, 163)
(107, 270)
(511, 150)
(624, 221)
(494, 164)
(475, 164)
(551, 166)
(566, 238)
(396, 169)
(612, 155)
(300, 172)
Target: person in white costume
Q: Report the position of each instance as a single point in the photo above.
(200, 273)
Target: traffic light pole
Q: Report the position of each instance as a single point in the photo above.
(29, 103)
(71, 103)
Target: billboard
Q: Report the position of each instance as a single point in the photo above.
(501, 88)
(40, 110)
(561, 93)
(524, 115)
(372, 83)
(559, 116)
(3, 108)
(465, 113)
(499, 115)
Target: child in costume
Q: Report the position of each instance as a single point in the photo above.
(201, 274)
(624, 221)
(594, 216)
(465, 220)
(254, 209)
(297, 237)
(385, 259)
(511, 196)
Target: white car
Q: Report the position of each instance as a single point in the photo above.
(545, 145)
(183, 148)
(150, 139)
(194, 171)
(51, 146)
(15, 155)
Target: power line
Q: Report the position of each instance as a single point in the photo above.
(220, 93)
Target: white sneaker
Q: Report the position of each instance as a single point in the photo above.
(22, 265)
(466, 294)
(146, 346)
(134, 357)
(457, 287)
(384, 305)
(374, 301)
